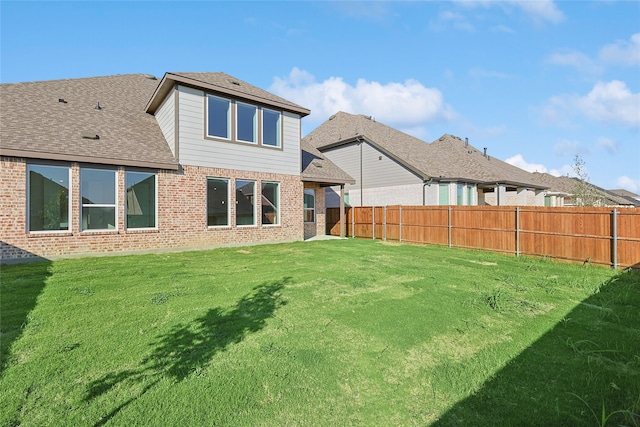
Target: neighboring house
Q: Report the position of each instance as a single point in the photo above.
(562, 192)
(128, 162)
(391, 168)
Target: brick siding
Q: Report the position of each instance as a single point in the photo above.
(181, 218)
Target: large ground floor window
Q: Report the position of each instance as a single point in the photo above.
(98, 195)
(270, 203)
(245, 203)
(309, 205)
(48, 197)
(217, 202)
(141, 199)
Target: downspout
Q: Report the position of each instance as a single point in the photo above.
(424, 186)
(361, 186)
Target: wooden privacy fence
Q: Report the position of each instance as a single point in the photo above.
(609, 236)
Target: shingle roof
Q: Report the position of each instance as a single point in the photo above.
(46, 120)
(448, 158)
(567, 185)
(317, 168)
(221, 83)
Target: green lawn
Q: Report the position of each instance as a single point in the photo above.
(327, 333)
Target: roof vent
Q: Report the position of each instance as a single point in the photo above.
(233, 82)
(98, 107)
(150, 76)
(332, 117)
(62, 100)
(485, 151)
(89, 135)
(466, 142)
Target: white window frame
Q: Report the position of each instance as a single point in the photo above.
(279, 128)
(102, 205)
(126, 225)
(227, 202)
(255, 123)
(229, 124)
(28, 200)
(253, 202)
(313, 193)
(277, 217)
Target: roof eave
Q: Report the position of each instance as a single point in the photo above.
(170, 79)
(87, 159)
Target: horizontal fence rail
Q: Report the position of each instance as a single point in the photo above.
(598, 235)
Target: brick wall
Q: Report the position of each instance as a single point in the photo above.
(181, 219)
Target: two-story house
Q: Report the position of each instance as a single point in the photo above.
(129, 162)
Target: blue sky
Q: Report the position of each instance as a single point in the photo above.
(536, 82)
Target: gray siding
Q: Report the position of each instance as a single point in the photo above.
(378, 170)
(165, 116)
(196, 150)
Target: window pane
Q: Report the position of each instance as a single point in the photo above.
(217, 202)
(98, 194)
(444, 194)
(98, 187)
(271, 128)
(48, 198)
(98, 218)
(460, 194)
(309, 206)
(247, 115)
(141, 200)
(218, 117)
(470, 195)
(270, 203)
(244, 202)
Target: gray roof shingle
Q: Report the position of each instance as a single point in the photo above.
(448, 158)
(317, 168)
(46, 120)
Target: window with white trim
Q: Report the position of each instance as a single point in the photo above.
(246, 122)
(245, 202)
(217, 202)
(270, 203)
(271, 128)
(218, 117)
(98, 199)
(141, 201)
(48, 207)
(309, 205)
(443, 194)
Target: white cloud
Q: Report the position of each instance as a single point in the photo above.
(608, 102)
(564, 170)
(608, 144)
(520, 162)
(622, 51)
(539, 11)
(564, 147)
(577, 60)
(407, 105)
(630, 184)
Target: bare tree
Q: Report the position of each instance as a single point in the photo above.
(585, 194)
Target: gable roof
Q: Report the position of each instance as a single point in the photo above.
(317, 168)
(446, 159)
(47, 120)
(566, 185)
(221, 83)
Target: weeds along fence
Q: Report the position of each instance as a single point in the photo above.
(607, 236)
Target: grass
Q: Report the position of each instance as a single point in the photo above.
(319, 333)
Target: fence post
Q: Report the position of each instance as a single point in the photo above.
(353, 222)
(450, 225)
(614, 242)
(517, 230)
(373, 223)
(400, 225)
(384, 225)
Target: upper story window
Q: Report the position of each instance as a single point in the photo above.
(271, 128)
(247, 122)
(242, 122)
(48, 198)
(218, 117)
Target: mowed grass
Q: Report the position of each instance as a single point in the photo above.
(327, 333)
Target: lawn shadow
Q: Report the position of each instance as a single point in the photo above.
(20, 286)
(187, 348)
(589, 361)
